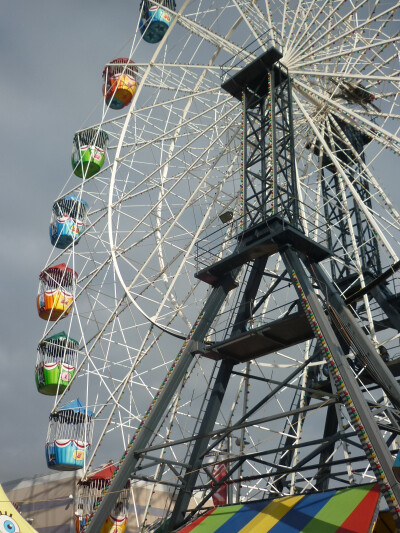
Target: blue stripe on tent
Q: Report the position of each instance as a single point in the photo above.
(302, 513)
(242, 517)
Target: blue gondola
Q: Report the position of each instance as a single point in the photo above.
(69, 436)
(155, 21)
(68, 221)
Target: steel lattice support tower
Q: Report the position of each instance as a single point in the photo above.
(268, 146)
(270, 226)
(347, 143)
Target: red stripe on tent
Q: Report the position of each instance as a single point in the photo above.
(191, 526)
(359, 521)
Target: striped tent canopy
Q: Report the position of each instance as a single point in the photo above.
(351, 510)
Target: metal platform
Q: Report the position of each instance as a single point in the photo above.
(249, 76)
(265, 239)
(276, 335)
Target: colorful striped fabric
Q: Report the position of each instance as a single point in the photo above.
(349, 510)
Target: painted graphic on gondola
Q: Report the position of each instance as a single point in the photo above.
(67, 452)
(155, 24)
(111, 525)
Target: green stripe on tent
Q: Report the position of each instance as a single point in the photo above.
(217, 518)
(338, 508)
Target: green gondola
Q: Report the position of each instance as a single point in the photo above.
(89, 152)
(56, 363)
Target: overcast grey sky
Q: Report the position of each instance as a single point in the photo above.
(52, 55)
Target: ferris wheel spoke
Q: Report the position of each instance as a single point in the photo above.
(259, 21)
(300, 30)
(387, 64)
(347, 76)
(343, 54)
(171, 157)
(166, 223)
(202, 181)
(283, 21)
(346, 179)
(318, 19)
(208, 35)
(243, 9)
(175, 258)
(188, 251)
(294, 27)
(92, 342)
(343, 35)
(363, 57)
(372, 129)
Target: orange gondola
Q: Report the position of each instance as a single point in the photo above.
(55, 295)
(119, 82)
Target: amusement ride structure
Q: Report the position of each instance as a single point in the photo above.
(225, 260)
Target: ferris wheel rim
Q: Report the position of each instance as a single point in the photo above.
(112, 181)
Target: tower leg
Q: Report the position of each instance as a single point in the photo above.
(214, 404)
(351, 396)
(128, 462)
(200, 446)
(331, 427)
(360, 342)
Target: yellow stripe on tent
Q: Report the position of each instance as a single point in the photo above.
(271, 515)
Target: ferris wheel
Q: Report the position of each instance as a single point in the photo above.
(156, 196)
